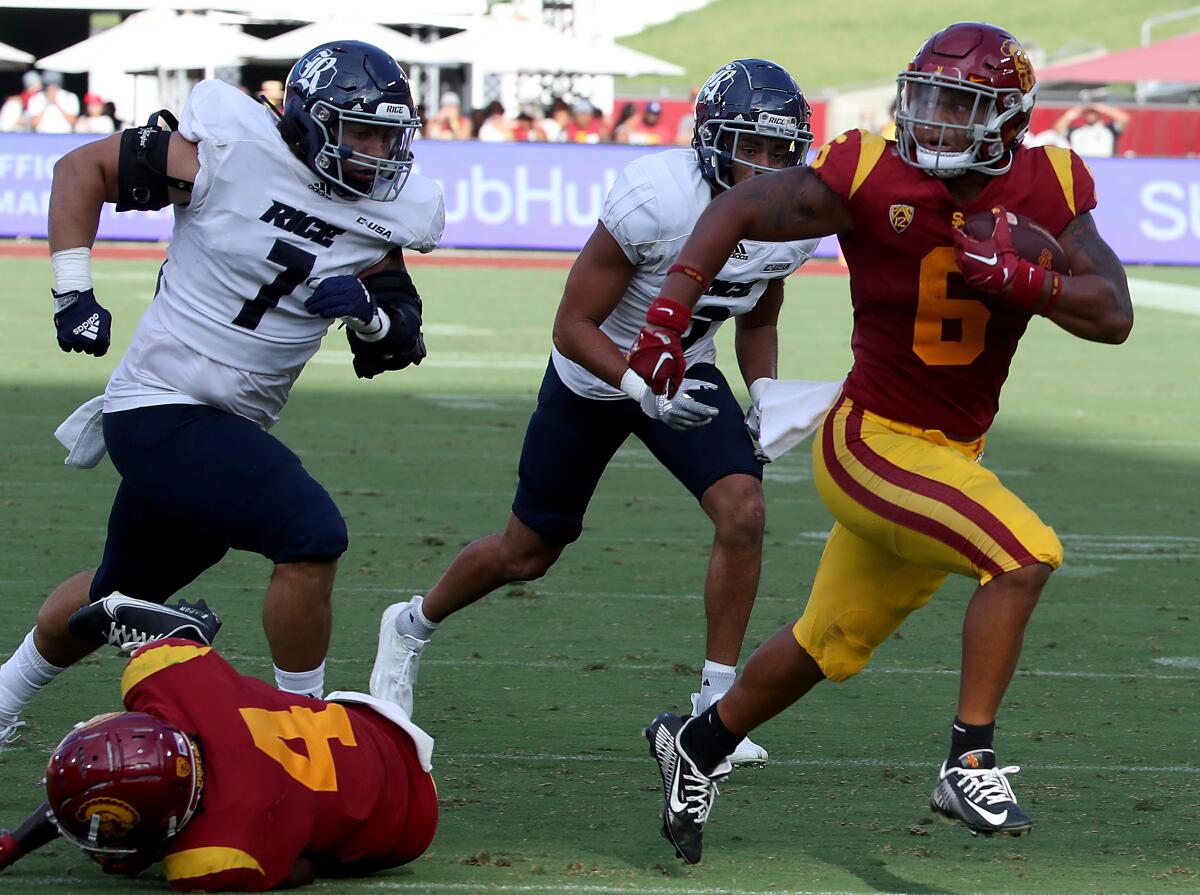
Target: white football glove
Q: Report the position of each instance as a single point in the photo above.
(754, 416)
(682, 412)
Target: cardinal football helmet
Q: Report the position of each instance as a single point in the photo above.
(964, 102)
(123, 783)
(348, 85)
(748, 96)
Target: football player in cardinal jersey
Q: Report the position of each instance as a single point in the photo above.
(937, 317)
(203, 772)
(750, 118)
(284, 223)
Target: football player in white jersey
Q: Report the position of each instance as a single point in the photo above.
(285, 222)
(750, 117)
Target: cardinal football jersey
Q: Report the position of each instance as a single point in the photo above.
(284, 775)
(228, 326)
(650, 211)
(928, 349)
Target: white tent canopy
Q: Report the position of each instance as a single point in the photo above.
(11, 57)
(523, 46)
(293, 44)
(158, 40)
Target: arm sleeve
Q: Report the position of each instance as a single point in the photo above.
(630, 214)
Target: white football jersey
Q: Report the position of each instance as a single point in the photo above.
(227, 326)
(650, 211)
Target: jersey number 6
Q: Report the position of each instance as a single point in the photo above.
(950, 329)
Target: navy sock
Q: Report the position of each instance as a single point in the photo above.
(707, 740)
(966, 738)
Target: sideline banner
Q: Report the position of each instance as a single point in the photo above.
(549, 196)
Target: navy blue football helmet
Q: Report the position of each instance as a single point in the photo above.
(748, 96)
(348, 113)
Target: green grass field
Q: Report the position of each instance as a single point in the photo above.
(841, 44)
(537, 695)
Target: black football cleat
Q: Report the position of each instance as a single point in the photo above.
(688, 794)
(127, 622)
(978, 797)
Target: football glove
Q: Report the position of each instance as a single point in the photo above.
(344, 296)
(10, 851)
(681, 412)
(657, 355)
(81, 323)
(754, 414)
(993, 265)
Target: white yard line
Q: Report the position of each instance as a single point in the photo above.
(1164, 296)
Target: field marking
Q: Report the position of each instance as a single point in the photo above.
(605, 665)
(1178, 661)
(1164, 296)
(686, 886)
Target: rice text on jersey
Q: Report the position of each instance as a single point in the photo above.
(294, 220)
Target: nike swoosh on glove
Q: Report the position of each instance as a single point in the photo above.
(993, 265)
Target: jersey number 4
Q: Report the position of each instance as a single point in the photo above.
(297, 264)
(951, 328)
(271, 732)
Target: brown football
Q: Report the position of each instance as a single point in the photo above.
(1031, 240)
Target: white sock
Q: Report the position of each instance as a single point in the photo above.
(413, 621)
(302, 683)
(21, 677)
(715, 681)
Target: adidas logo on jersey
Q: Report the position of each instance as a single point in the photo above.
(740, 253)
(321, 188)
(90, 328)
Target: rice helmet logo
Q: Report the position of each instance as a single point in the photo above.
(316, 72)
(715, 85)
(393, 110)
(783, 126)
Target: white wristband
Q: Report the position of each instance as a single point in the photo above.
(758, 386)
(633, 385)
(72, 269)
(373, 331)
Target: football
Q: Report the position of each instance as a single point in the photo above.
(1031, 240)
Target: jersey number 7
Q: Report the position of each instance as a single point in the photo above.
(297, 264)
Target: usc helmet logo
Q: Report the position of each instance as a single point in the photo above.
(117, 818)
(1021, 62)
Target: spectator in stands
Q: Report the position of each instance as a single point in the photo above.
(619, 131)
(1092, 130)
(31, 86)
(94, 121)
(273, 91)
(555, 123)
(12, 114)
(449, 123)
(110, 112)
(53, 110)
(585, 125)
(495, 127)
(683, 131)
(646, 129)
(529, 127)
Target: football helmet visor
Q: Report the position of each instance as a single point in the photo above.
(749, 97)
(349, 114)
(123, 783)
(964, 103)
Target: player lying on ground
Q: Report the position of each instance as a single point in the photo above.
(233, 784)
(937, 318)
(750, 118)
(284, 223)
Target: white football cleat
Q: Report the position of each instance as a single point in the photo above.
(396, 661)
(748, 753)
(10, 732)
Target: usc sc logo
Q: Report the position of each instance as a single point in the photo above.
(117, 818)
(1021, 62)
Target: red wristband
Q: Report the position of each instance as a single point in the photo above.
(690, 272)
(1026, 289)
(669, 315)
(1056, 287)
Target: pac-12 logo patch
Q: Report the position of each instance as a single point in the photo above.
(901, 216)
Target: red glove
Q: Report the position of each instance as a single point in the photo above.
(657, 355)
(993, 265)
(9, 850)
